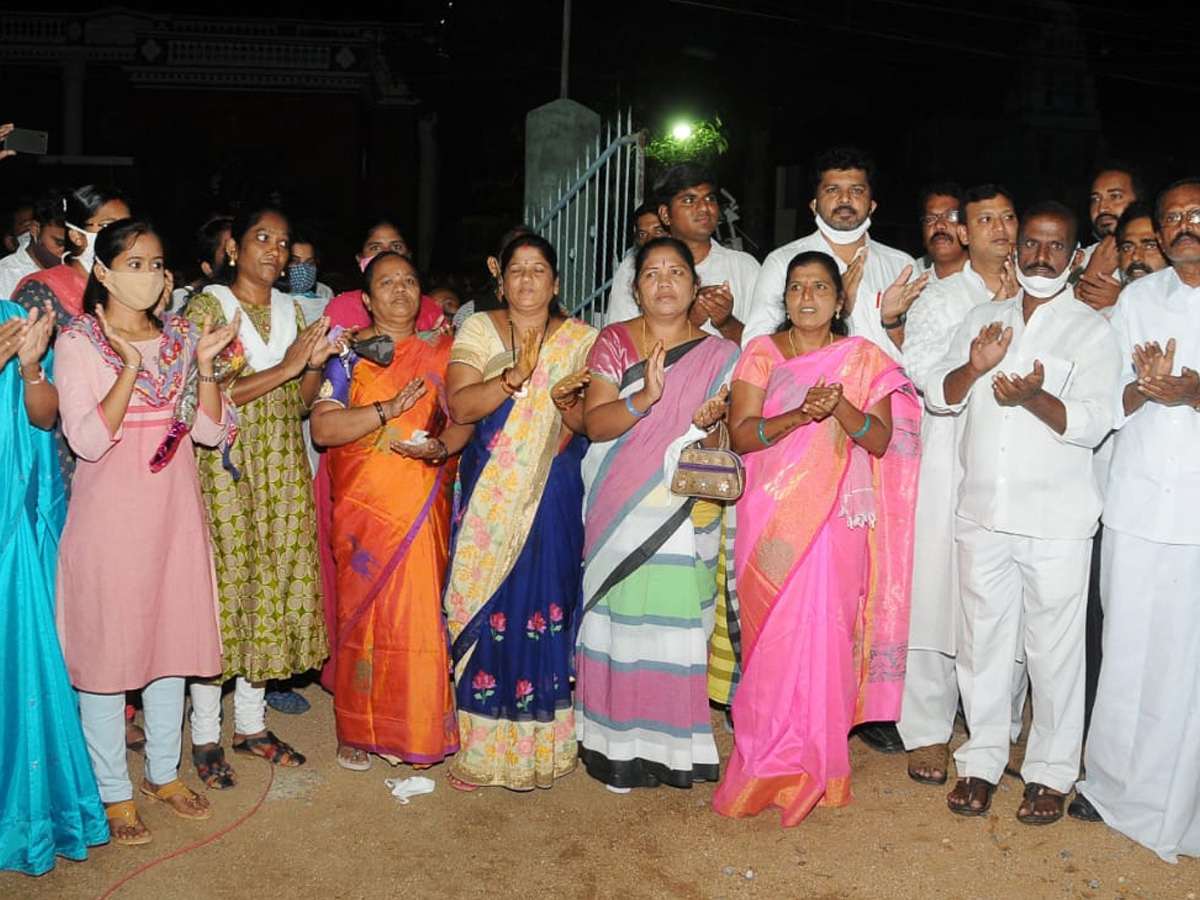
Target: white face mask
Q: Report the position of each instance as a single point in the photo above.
(88, 256)
(842, 237)
(24, 239)
(1040, 286)
(137, 290)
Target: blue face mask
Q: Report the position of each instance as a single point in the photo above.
(302, 277)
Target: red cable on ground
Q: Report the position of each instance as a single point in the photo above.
(196, 846)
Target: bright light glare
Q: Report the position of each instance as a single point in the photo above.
(682, 131)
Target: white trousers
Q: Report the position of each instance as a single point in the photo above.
(1021, 596)
(1143, 749)
(103, 717)
(249, 709)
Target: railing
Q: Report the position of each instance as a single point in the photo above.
(589, 225)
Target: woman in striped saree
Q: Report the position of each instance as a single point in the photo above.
(650, 584)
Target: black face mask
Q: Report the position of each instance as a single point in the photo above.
(378, 349)
(43, 257)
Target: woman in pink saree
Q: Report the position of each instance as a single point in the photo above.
(829, 430)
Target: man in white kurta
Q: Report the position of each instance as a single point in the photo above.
(1027, 508)
(842, 206)
(689, 208)
(987, 225)
(1143, 749)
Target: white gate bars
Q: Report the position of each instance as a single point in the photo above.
(590, 225)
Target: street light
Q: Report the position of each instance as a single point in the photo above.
(682, 131)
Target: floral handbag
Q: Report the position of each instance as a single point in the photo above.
(710, 473)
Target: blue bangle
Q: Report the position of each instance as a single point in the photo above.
(862, 431)
(633, 410)
(762, 437)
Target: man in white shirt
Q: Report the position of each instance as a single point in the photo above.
(842, 205)
(987, 228)
(689, 207)
(945, 254)
(1027, 508)
(1143, 768)
(1114, 186)
(47, 244)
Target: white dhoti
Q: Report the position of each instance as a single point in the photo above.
(1143, 750)
(1021, 593)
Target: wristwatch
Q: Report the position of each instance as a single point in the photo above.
(899, 323)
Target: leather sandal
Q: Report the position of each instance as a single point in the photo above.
(272, 749)
(214, 772)
(971, 797)
(933, 758)
(1042, 805)
(125, 814)
(177, 788)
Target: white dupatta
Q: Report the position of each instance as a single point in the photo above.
(261, 354)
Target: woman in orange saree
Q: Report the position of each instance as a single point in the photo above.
(830, 431)
(392, 477)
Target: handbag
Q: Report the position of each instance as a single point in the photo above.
(710, 473)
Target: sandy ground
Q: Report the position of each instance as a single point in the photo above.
(321, 832)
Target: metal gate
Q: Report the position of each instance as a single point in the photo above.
(589, 225)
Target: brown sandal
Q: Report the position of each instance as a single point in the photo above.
(168, 792)
(971, 797)
(272, 749)
(1042, 805)
(124, 814)
(934, 758)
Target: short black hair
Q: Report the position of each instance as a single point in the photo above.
(1057, 210)
(986, 191)
(646, 209)
(1121, 165)
(843, 158)
(939, 189)
(680, 177)
(1138, 209)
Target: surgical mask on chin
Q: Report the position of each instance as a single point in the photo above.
(302, 277)
(1040, 286)
(842, 237)
(88, 256)
(137, 290)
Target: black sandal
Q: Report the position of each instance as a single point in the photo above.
(272, 749)
(969, 791)
(212, 768)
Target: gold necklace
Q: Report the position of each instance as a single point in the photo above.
(645, 341)
(792, 342)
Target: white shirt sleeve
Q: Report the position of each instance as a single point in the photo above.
(767, 309)
(1088, 398)
(957, 353)
(621, 305)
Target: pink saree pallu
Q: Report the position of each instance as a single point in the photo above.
(824, 566)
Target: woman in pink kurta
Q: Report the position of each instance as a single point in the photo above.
(136, 587)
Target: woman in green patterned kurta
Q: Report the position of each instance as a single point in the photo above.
(260, 501)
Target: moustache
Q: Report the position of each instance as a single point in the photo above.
(1041, 269)
(1137, 267)
(1184, 236)
(845, 209)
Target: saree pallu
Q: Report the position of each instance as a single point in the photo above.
(513, 591)
(650, 583)
(824, 567)
(49, 803)
(391, 538)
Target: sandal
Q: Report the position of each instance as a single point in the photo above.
(272, 749)
(214, 771)
(925, 761)
(353, 759)
(1042, 805)
(125, 815)
(186, 808)
(971, 797)
(459, 785)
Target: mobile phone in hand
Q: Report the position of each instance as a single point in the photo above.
(24, 140)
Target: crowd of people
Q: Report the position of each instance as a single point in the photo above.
(468, 519)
